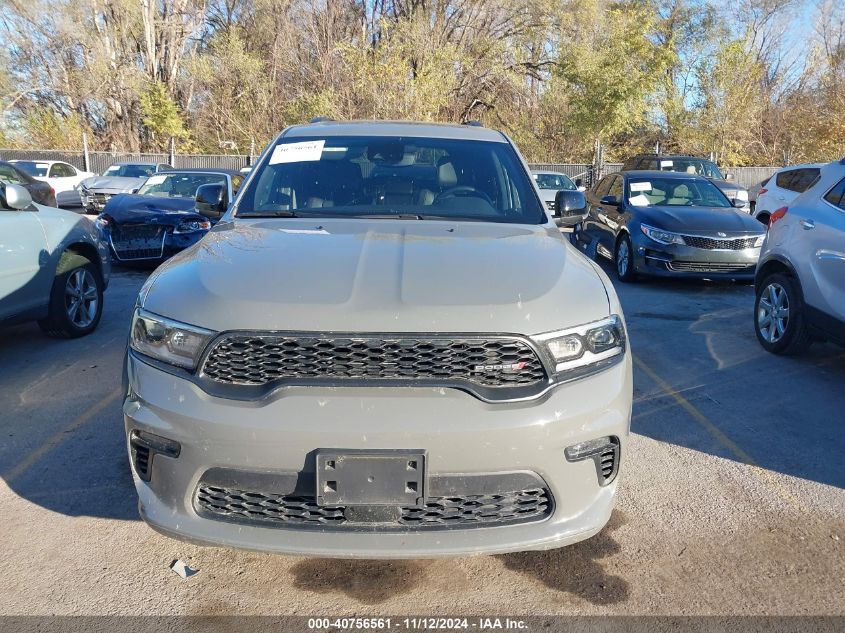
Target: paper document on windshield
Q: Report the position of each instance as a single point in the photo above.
(156, 180)
(639, 200)
(640, 186)
(297, 152)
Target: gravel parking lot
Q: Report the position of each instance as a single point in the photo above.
(733, 498)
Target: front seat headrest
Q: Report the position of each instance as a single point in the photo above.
(446, 175)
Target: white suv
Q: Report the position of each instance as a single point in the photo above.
(800, 280)
(783, 187)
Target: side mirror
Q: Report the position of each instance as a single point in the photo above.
(211, 201)
(14, 197)
(135, 190)
(729, 176)
(570, 208)
(611, 201)
(579, 182)
(737, 203)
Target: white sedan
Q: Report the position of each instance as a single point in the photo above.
(63, 177)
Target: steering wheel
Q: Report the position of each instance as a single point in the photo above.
(462, 191)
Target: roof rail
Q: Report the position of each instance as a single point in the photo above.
(473, 123)
(320, 119)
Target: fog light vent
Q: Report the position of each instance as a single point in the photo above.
(604, 451)
(144, 446)
(141, 458)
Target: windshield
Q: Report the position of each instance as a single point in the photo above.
(675, 192)
(406, 178)
(555, 181)
(32, 168)
(130, 171)
(695, 166)
(176, 185)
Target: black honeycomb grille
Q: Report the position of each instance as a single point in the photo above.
(258, 506)
(263, 359)
(710, 243)
(465, 511)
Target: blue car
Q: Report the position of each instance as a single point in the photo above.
(161, 218)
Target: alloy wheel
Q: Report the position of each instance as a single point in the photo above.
(773, 312)
(622, 253)
(81, 298)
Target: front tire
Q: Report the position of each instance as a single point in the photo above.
(76, 302)
(624, 259)
(778, 316)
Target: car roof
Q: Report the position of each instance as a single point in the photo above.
(671, 156)
(132, 162)
(656, 173)
(547, 171)
(394, 128)
(800, 166)
(38, 160)
(201, 170)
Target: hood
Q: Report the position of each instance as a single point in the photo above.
(547, 195)
(135, 208)
(727, 186)
(112, 183)
(710, 220)
(379, 276)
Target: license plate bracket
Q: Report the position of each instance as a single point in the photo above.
(350, 477)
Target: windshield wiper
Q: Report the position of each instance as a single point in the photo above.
(387, 216)
(268, 214)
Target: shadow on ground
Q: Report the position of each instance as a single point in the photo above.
(577, 569)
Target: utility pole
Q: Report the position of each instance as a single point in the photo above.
(172, 157)
(86, 160)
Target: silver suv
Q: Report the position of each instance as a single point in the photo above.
(384, 349)
(54, 266)
(800, 280)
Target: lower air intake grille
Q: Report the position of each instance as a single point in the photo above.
(708, 267)
(259, 359)
(463, 511)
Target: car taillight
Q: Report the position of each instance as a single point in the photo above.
(777, 214)
(762, 191)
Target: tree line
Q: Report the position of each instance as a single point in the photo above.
(748, 81)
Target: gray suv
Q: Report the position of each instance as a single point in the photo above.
(384, 349)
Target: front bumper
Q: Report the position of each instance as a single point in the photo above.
(461, 435)
(677, 260)
(163, 249)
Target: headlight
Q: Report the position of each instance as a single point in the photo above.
(742, 194)
(588, 346)
(169, 341)
(759, 241)
(191, 226)
(101, 223)
(659, 235)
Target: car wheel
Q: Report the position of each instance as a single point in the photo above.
(76, 302)
(778, 316)
(624, 259)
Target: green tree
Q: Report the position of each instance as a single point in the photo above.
(161, 118)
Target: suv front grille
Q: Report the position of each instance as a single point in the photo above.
(248, 359)
(460, 511)
(712, 243)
